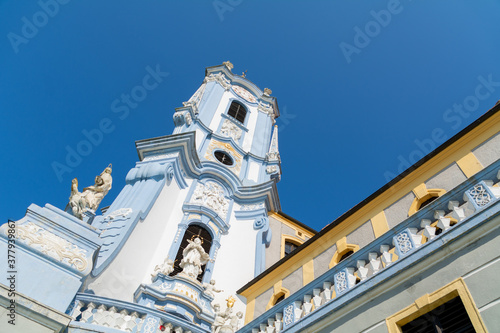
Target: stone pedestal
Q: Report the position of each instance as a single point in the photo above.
(178, 295)
(53, 252)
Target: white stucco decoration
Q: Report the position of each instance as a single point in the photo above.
(182, 117)
(220, 78)
(252, 207)
(273, 154)
(231, 130)
(52, 245)
(165, 268)
(245, 94)
(211, 195)
(266, 108)
(123, 212)
(272, 169)
(194, 101)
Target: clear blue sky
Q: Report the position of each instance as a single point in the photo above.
(354, 104)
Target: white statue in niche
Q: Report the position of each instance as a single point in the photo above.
(166, 268)
(91, 196)
(210, 288)
(193, 257)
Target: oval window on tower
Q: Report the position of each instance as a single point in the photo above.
(223, 157)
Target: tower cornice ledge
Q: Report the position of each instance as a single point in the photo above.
(184, 144)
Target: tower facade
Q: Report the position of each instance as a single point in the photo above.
(214, 179)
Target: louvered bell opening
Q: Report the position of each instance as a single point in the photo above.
(451, 317)
(237, 111)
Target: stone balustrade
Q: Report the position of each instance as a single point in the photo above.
(454, 208)
(111, 315)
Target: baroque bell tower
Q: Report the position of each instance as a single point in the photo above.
(210, 184)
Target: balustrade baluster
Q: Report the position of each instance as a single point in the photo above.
(120, 321)
(307, 305)
(457, 212)
(374, 262)
(88, 313)
(443, 222)
(386, 256)
(77, 310)
(270, 326)
(429, 231)
(362, 270)
(297, 310)
(278, 324)
(317, 299)
(99, 315)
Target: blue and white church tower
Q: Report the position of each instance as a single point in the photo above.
(214, 179)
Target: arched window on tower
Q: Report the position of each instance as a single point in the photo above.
(191, 233)
(237, 111)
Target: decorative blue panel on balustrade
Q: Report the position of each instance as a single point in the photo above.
(151, 324)
(404, 242)
(480, 195)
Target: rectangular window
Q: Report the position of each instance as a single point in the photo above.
(448, 317)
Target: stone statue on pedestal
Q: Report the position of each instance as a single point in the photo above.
(91, 196)
(225, 322)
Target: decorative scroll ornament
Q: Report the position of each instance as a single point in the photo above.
(231, 130)
(480, 196)
(182, 117)
(91, 196)
(194, 101)
(267, 92)
(266, 108)
(220, 78)
(404, 242)
(211, 195)
(52, 245)
(272, 169)
(245, 94)
(123, 212)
